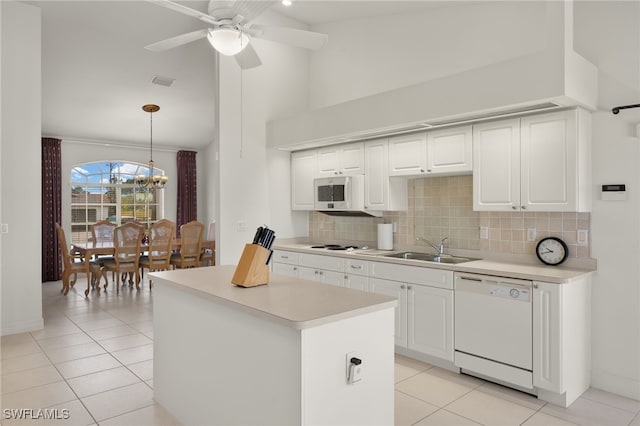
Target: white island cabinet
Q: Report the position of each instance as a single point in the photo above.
(275, 354)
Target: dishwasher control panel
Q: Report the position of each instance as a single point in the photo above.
(510, 292)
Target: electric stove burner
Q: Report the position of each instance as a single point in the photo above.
(317, 247)
(334, 247)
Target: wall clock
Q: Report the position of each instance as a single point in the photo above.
(552, 251)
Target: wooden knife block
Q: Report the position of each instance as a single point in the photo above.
(252, 270)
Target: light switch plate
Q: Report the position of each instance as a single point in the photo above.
(241, 226)
(4, 228)
(531, 234)
(582, 237)
(484, 232)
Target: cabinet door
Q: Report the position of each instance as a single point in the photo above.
(547, 337)
(430, 321)
(549, 162)
(328, 161)
(310, 274)
(399, 291)
(408, 154)
(285, 269)
(332, 278)
(357, 282)
(449, 150)
(496, 165)
(376, 177)
(303, 170)
(352, 159)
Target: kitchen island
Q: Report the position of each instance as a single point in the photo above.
(272, 354)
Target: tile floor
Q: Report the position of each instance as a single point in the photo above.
(94, 361)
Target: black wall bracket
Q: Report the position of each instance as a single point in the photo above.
(617, 109)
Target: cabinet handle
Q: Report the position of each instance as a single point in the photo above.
(346, 277)
(284, 257)
(513, 207)
(536, 285)
(356, 267)
(320, 272)
(428, 170)
(524, 207)
(315, 272)
(402, 286)
(340, 172)
(295, 268)
(408, 287)
(421, 170)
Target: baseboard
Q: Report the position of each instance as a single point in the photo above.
(623, 386)
(22, 326)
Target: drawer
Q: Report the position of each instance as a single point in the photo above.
(290, 257)
(357, 267)
(412, 274)
(329, 263)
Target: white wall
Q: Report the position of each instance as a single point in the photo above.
(76, 152)
(21, 185)
(249, 194)
(608, 34)
(369, 56)
(364, 58)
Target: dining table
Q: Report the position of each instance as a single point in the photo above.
(90, 249)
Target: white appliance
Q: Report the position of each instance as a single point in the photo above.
(341, 196)
(493, 327)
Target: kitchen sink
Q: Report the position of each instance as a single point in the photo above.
(426, 257)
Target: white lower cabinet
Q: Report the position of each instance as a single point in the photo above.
(399, 291)
(322, 276)
(430, 320)
(285, 269)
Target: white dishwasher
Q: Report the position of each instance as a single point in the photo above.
(493, 327)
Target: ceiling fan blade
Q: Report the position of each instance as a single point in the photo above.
(186, 11)
(247, 9)
(290, 36)
(176, 41)
(248, 58)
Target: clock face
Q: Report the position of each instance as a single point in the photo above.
(552, 251)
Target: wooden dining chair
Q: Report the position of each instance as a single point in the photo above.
(161, 237)
(190, 244)
(126, 241)
(72, 268)
(208, 255)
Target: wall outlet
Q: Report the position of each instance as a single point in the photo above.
(354, 365)
(582, 237)
(484, 232)
(531, 234)
(4, 228)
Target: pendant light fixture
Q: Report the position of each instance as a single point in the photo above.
(152, 180)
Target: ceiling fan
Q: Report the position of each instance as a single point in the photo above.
(231, 30)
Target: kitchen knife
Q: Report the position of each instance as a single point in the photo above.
(256, 238)
(263, 236)
(269, 258)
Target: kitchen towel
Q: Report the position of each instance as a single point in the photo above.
(385, 236)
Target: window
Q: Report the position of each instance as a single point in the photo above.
(106, 191)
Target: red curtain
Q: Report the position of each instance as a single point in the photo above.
(187, 191)
(51, 208)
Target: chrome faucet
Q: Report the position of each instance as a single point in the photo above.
(438, 248)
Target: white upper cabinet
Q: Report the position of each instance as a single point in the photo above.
(408, 154)
(341, 160)
(381, 192)
(450, 150)
(536, 163)
(304, 165)
(437, 152)
(496, 165)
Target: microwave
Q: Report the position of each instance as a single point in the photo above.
(339, 193)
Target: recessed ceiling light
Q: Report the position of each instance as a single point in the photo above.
(163, 81)
(287, 2)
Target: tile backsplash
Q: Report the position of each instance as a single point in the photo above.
(443, 207)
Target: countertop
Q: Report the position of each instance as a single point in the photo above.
(289, 301)
(552, 274)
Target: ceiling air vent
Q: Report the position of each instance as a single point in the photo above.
(163, 81)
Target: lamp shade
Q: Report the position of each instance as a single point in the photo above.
(228, 41)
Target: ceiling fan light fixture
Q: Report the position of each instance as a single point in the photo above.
(228, 41)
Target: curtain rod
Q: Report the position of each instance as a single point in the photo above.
(118, 144)
(617, 109)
